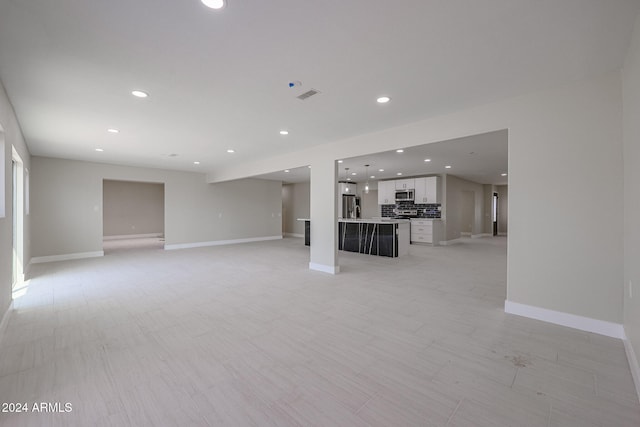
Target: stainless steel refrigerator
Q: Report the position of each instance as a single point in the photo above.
(350, 206)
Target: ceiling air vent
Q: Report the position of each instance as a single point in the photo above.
(308, 94)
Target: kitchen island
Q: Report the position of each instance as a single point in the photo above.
(307, 231)
(381, 237)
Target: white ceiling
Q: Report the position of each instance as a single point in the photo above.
(219, 79)
(479, 158)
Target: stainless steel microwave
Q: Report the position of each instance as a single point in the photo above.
(405, 195)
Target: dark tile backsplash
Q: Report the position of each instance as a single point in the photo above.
(432, 209)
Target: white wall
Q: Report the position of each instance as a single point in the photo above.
(631, 126)
(296, 205)
(467, 211)
(503, 209)
(369, 206)
(463, 207)
(10, 135)
(67, 206)
(565, 140)
(132, 208)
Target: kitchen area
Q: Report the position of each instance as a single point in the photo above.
(430, 195)
(407, 211)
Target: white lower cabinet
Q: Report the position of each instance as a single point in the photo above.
(425, 231)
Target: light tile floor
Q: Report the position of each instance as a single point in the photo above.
(246, 335)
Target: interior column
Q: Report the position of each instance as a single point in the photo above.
(324, 232)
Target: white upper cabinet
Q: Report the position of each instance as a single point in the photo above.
(405, 184)
(386, 192)
(427, 190)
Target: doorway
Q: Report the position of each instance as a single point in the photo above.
(494, 210)
(133, 215)
(17, 190)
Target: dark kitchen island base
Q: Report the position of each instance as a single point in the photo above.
(374, 237)
(371, 237)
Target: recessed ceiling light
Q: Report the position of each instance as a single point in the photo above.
(100, 150)
(213, 4)
(231, 151)
(196, 163)
(447, 167)
(380, 170)
(503, 174)
(353, 173)
(287, 171)
(399, 173)
(372, 176)
(139, 94)
(284, 132)
(427, 160)
(383, 100)
(112, 130)
(400, 151)
(348, 179)
(340, 161)
(309, 166)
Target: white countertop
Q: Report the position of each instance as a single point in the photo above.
(375, 221)
(378, 220)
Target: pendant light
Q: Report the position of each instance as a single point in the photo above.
(366, 187)
(346, 187)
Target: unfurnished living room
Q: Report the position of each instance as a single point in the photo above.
(284, 213)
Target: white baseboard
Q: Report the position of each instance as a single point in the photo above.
(219, 242)
(5, 321)
(633, 364)
(475, 236)
(465, 234)
(450, 242)
(133, 236)
(66, 257)
(602, 327)
(502, 234)
(294, 235)
(331, 269)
